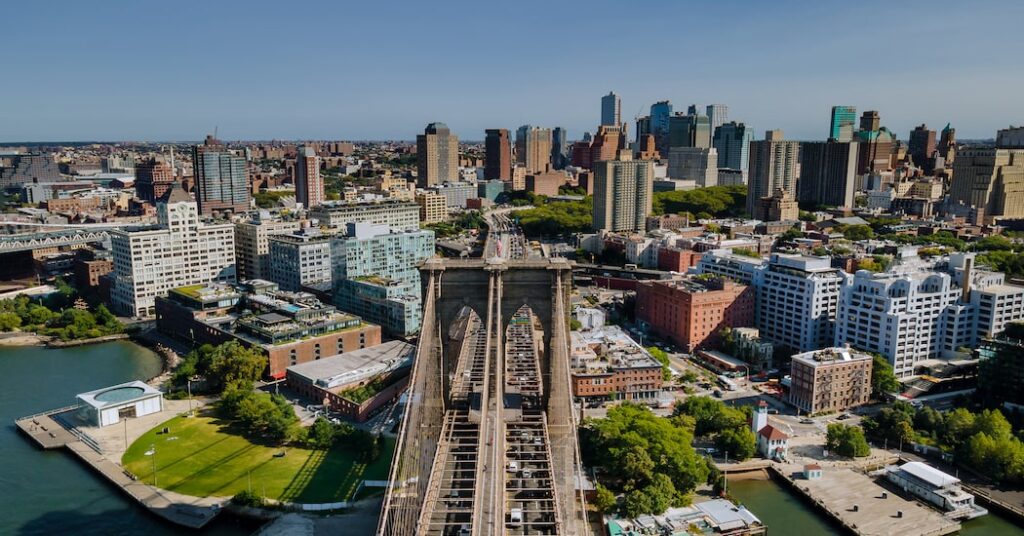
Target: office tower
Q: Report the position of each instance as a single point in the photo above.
(661, 112)
(773, 166)
(611, 110)
(947, 145)
(376, 276)
(437, 156)
(309, 185)
(180, 251)
(870, 121)
(300, 259)
(533, 147)
(718, 115)
(732, 141)
(843, 119)
(498, 162)
(606, 144)
(29, 168)
(922, 146)
(990, 181)
(152, 179)
(689, 131)
(797, 298)
(252, 245)
(693, 163)
(395, 213)
(222, 178)
(692, 312)
(828, 172)
(623, 191)
(559, 148)
(643, 127)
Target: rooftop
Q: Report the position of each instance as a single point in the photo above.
(342, 370)
(118, 394)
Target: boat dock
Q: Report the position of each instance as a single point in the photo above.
(50, 431)
(863, 506)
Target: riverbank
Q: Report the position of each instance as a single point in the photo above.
(18, 338)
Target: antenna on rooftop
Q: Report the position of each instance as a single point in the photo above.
(214, 132)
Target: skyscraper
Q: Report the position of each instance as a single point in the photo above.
(773, 163)
(990, 180)
(559, 148)
(922, 146)
(947, 145)
(437, 156)
(828, 170)
(533, 147)
(718, 115)
(732, 141)
(843, 119)
(309, 185)
(870, 121)
(623, 191)
(222, 179)
(498, 163)
(689, 131)
(606, 144)
(661, 111)
(611, 110)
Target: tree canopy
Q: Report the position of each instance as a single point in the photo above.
(714, 201)
(846, 441)
(883, 379)
(557, 218)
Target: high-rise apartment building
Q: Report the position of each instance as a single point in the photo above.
(692, 312)
(437, 156)
(611, 110)
(252, 245)
(828, 173)
(152, 179)
(376, 275)
(222, 178)
(718, 115)
(689, 131)
(843, 120)
(498, 159)
(533, 147)
(732, 141)
(309, 185)
(797, 298)
(693, 163)
(989, 181)
(623, 192)
(773, 166)
(300, 259)
(922, 146)
(395, 213)
(179, 251)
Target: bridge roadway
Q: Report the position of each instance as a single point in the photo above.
(55, 235)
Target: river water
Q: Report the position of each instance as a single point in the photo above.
(786, 513)
(51, 493)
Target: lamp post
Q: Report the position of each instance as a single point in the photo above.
(125, 434)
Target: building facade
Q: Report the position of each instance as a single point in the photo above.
(843, 120)
(533, 147)
(773, 166)
(395, 213)
(498, 155)
(830, 380)
(797, 299)
(252, 245)
(299, 259)
(623, 193)
(221, 178)
(180, 250)
(692, 312)
(732, 141)
(437, 156)
(309, 185)
(828, 173)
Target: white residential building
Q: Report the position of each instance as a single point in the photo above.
(178, 251)
(797, 296)
(300, 259)
(726, 263)
(920, 310)
(395, 213)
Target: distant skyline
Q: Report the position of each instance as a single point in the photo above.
(141, 71)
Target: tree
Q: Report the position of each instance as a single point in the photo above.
(661, 357)
(604, 499)
(959, 427)
(739, 442)
(846, 441)
(9, 321)
(710, 415)
(858, 232)
(232, 362)
(883, 379)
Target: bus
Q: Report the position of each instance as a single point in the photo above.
(727, 383)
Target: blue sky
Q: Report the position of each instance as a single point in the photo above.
(379, 69)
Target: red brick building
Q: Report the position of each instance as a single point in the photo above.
(672, 259)
(691, 311)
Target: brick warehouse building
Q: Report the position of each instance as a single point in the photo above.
(691, 311)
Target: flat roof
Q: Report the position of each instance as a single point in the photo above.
(349, 367)
(929, 474)
(118, 395)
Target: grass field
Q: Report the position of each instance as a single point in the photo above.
(203, 456)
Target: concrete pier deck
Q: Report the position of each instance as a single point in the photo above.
(856, 501)
(46, 432)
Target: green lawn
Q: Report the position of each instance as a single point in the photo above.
(203, 456)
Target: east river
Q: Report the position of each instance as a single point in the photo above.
(50, 493)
